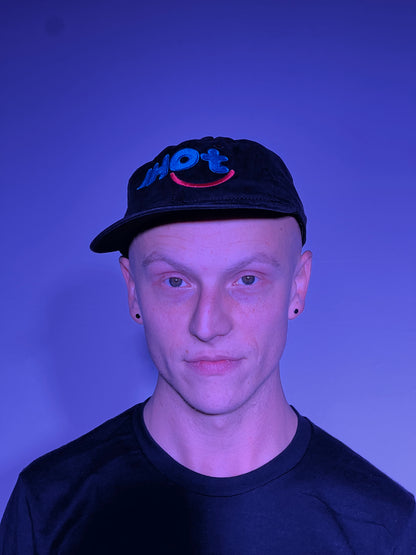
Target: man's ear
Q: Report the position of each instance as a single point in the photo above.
(300, 284)
(134, 306)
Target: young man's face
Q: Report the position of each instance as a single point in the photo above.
(215, 298)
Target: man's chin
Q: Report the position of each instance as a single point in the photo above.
(220, 406)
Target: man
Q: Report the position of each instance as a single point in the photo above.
(216, 461)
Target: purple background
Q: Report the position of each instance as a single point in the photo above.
(90, 90)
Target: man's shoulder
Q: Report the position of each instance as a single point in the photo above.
(87, 453)
(351, 487)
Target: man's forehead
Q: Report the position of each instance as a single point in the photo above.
(260, 234)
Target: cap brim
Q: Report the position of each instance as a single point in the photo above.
(118, 236)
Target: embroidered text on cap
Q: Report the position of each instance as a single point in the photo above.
(184, 159)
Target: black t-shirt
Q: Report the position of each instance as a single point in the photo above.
(116, 491)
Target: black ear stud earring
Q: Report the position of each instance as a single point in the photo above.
(295, 311)
(138, 316)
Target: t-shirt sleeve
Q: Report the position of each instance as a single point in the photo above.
(407, 543)
(16, 531)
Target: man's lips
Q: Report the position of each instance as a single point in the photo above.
(210, 358)
(217, 365)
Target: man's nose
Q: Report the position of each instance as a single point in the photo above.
(211, 316)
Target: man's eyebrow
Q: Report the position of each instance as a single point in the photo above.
(260, 257)
(158, 257)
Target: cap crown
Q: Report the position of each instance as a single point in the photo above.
(207, 178)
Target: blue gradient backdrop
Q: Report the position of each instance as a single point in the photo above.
(90, 90)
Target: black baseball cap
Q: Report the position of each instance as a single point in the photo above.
(204, 179)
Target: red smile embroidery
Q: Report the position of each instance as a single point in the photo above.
(202, 185)
(184, 159)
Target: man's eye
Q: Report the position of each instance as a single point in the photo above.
(175, 281)
(248, 280)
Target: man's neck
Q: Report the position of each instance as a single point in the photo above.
(223, 445)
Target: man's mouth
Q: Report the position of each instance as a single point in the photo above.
(213, 365)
